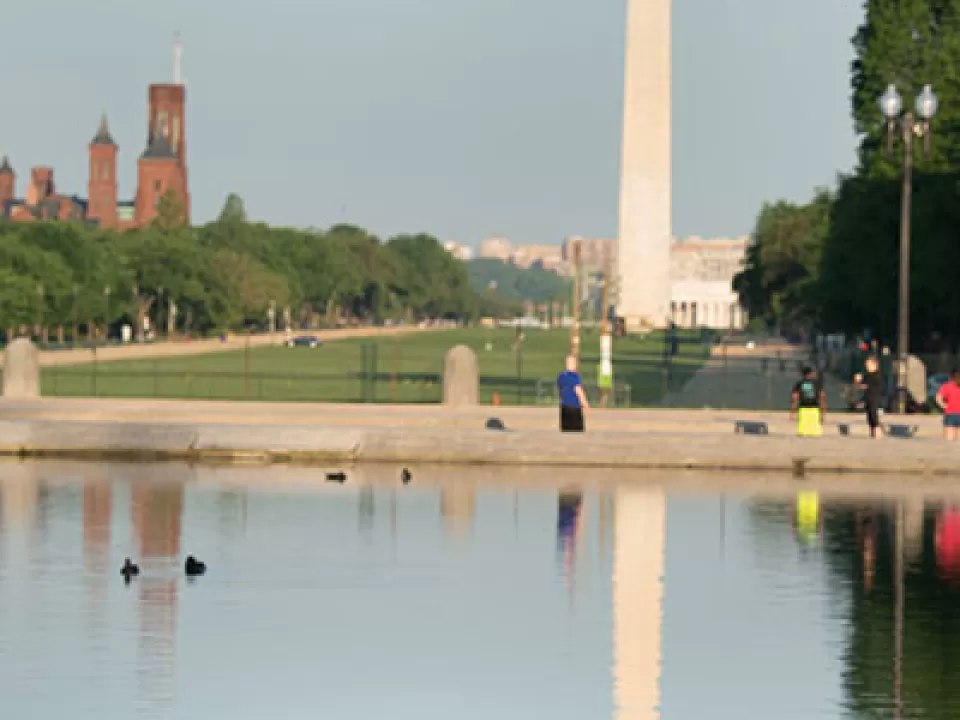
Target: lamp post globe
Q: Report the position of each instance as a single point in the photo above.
(927, 103)
(891, 103)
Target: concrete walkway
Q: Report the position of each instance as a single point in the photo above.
(180, 348)
(735, 378)
(357, 415)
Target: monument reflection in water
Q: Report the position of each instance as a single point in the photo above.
(438, 601)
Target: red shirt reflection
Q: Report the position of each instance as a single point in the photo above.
(948, 543)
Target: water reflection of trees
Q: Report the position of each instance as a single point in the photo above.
(931, 630)
(860, 551)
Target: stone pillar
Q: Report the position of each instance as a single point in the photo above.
(461, 377)
(646, 167)
(917, 378)
(21, 370)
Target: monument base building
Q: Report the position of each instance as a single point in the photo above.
(701, 290)
(701, 277)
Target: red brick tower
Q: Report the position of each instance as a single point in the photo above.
(158, 171)
(167, 113)
(102, 187)
(8, 181)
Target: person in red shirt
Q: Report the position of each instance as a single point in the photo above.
(948, 398)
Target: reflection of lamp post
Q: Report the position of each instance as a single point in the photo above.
(898, 621)
(891, 105)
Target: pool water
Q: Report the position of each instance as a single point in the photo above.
(570, 598)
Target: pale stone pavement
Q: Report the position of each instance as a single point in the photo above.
(738, 381)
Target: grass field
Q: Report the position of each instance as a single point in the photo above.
(401, 369)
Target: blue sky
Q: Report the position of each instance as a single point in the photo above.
(462, 118)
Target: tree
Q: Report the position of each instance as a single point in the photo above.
(239, 288)
(909, 43)
(512, 284)
(223, 274)
(171, 212)
(233, 210)
(778, 282)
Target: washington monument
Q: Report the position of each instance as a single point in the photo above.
(645, 170)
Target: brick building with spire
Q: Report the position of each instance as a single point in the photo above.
(161, 168)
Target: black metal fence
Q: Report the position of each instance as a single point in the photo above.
(352, 387)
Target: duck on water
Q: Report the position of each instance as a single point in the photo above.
(193, 567)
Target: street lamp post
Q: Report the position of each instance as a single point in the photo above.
(910, 126)
(106, 317)
(159, 313)
(575, 326)
(76, 316)
(40, 339)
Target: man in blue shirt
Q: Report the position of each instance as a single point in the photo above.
(573, 400)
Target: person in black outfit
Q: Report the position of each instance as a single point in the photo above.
(872, 385)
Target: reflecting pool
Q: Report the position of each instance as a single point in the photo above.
(472, 594)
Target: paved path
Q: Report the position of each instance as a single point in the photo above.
(179, 412)
(736, 379)
(200, 347)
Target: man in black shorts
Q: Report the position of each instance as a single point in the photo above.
(872, 385)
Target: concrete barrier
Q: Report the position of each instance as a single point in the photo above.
(21, 370)
(461, 378)
(212, 443)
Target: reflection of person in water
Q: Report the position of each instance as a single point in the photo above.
(568, 525)
(806, 518)
(948, 543)
(867, 537)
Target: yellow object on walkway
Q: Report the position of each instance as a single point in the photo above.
(808, 422)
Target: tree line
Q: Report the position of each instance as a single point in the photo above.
(224, 275)
(833, 263)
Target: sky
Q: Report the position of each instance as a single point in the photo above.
(461, 118)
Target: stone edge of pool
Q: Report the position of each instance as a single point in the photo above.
(298, 444)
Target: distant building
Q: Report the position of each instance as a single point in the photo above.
(161, 168)
(701, 274)
(596, 254)
(548, 257)
(496, 248)
(460, 252)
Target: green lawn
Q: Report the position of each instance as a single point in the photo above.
(401, 369)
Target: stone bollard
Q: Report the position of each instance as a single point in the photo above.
(21, 370)
(461, 377)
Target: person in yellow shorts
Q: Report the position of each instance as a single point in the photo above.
(808, 404)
